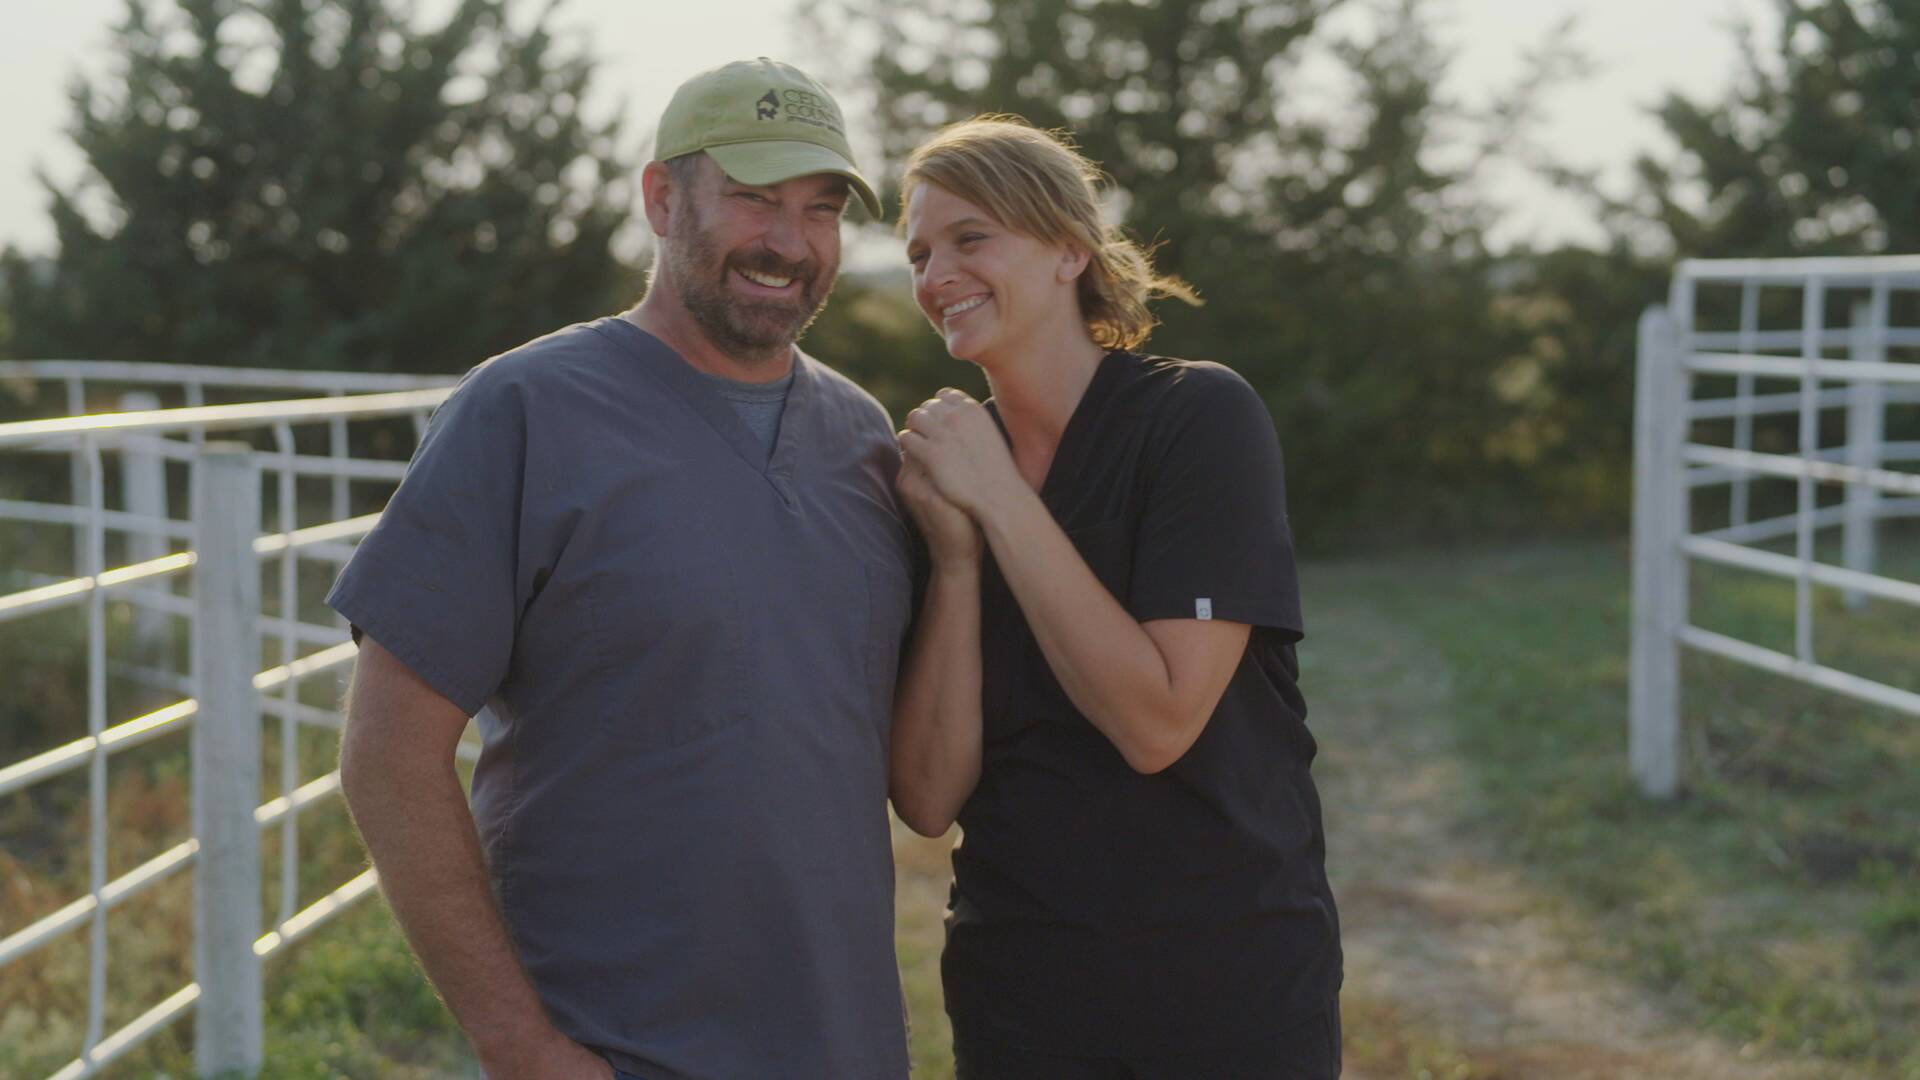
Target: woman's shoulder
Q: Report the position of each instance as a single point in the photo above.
(1173, 390)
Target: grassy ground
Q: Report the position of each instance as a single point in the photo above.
(1512, 907)
(1776, 906)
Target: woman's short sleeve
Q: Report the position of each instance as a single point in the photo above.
(1213, 540)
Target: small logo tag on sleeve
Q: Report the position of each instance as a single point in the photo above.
(1203, 608)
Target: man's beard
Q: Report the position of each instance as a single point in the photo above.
(743, 329)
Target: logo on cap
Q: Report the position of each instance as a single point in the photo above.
(768, 107)
(810, 108)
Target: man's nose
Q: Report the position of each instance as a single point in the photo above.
(786, 237)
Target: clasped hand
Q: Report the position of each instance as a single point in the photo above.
(952, 462)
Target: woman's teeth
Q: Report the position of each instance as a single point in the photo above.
(951, 310)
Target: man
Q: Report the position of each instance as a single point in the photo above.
(663, 549)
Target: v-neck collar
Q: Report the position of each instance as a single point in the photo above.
(669, 367)
(1073, 447)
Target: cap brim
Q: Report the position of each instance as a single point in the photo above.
(774, 161)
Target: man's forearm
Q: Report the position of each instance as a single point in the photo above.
(414, 818)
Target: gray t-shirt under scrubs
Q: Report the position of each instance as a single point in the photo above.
(688, 649)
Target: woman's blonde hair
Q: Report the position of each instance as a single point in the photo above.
(1037, 183)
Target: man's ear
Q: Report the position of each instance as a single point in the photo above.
(1073, 262)
(658, 195)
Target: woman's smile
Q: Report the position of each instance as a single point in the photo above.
(955, 310)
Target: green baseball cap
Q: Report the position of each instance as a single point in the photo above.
(764, 122)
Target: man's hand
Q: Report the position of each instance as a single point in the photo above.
(397, 774)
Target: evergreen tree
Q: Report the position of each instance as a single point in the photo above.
(1812, 152)
(1346, 274)
(326, 183)
(1172, 98)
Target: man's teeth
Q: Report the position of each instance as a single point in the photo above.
(768, 280)
(951, 310)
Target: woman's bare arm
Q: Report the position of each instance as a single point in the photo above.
(934, 761)
(1149, 687)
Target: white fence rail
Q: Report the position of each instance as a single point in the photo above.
(227, 689)
(1877, 475)
(139, 387)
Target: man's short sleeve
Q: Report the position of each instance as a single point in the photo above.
(434, 582)
(1213, 540)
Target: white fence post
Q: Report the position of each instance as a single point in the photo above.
(226, 760)
(77, 469)
(1866, 423)
(144, 475)
(1659, 567)
(340, 449)
(1742, 489)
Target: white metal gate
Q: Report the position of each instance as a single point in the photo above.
(224, 695)
(1859, 363)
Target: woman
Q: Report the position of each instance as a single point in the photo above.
(1101, 687)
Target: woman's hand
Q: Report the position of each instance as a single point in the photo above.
(953, 440)
(952, 537)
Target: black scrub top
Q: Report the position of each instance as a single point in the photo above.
(1098, 911)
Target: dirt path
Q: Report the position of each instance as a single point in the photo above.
(1457, 969)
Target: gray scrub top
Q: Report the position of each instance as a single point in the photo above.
(688, 650)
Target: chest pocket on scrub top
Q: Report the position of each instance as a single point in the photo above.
(669, 642)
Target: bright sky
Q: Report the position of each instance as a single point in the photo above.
(1642, 46)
